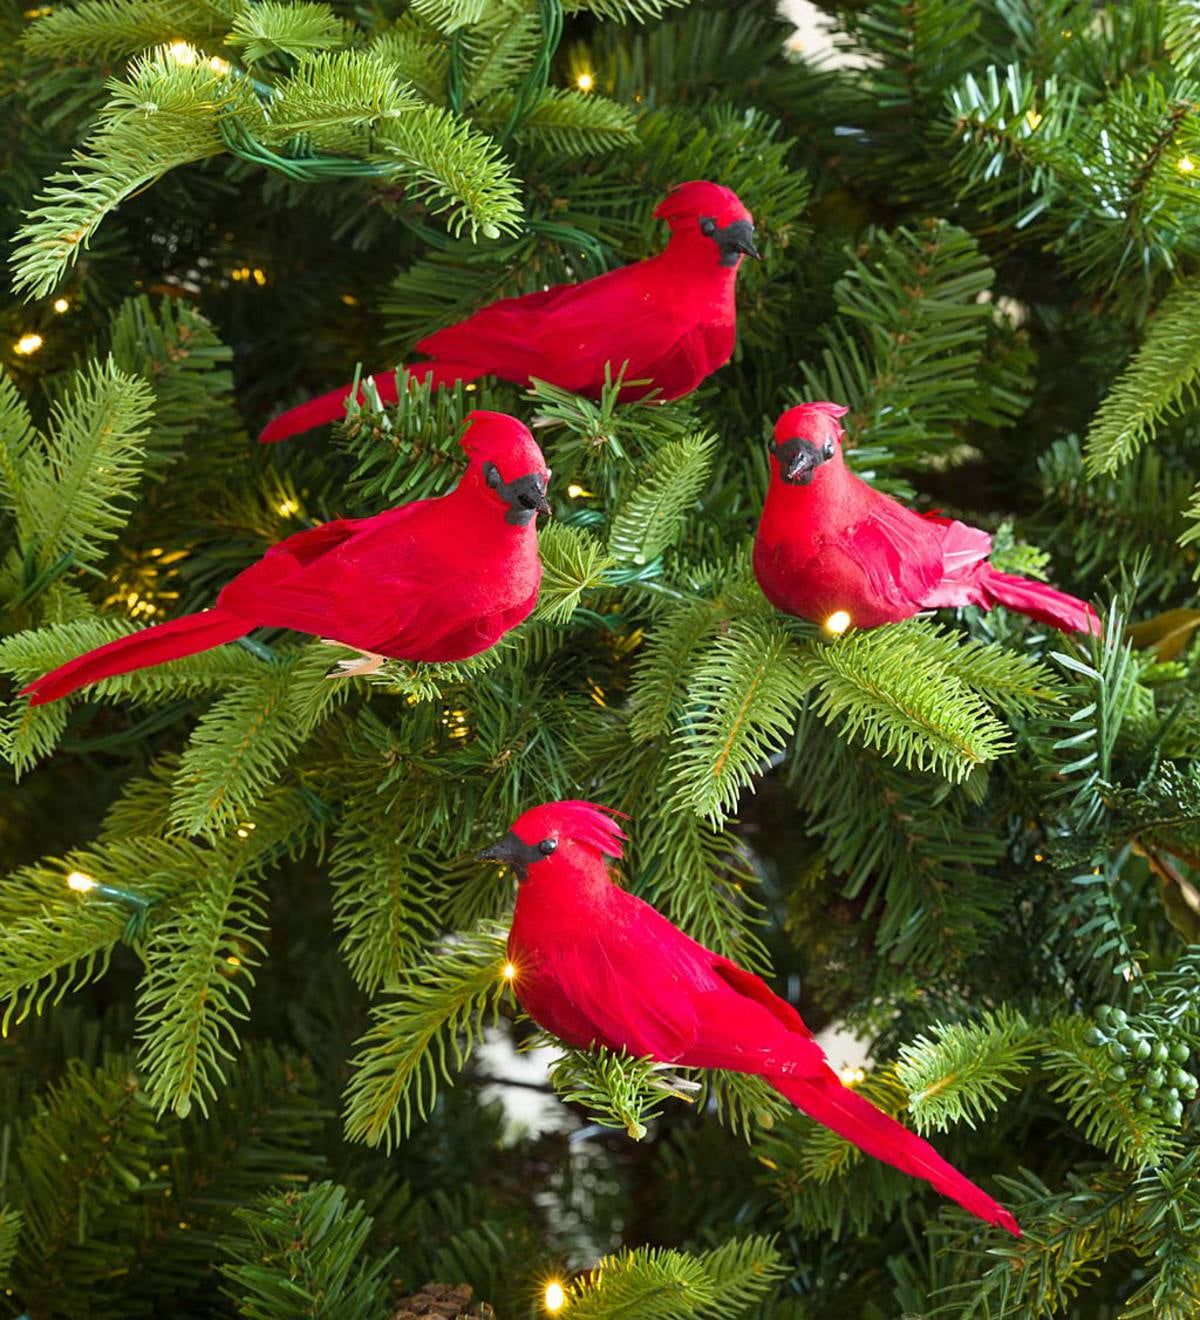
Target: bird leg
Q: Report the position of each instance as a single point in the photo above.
(365, 663)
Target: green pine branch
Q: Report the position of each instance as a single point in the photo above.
(423, 1033)
(961, 1072)
(657, 1284)
(564, 122)
(1159, 383)
(270, 27)
(162, 115)
(112, 29)
(499, 49)
(56, 939)
(654, 502)
(572, 562)
(382, 892)
(304, 1252)
(618, 1091)
(906, 351)
(85, 1170)
(891, 689)
(416, 54)
(199, 961)
(11, 1223)
(1101, 1101)
(71, 489)
(241, 745)
(743, 698)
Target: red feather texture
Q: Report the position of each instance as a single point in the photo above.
(670, 319)
(837, 544)
(438, 579)
(598, 967)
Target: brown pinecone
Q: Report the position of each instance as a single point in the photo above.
(442, 1301)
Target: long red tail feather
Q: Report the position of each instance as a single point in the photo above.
(331, 407)
(1038, 601)
(151, 646)
(872, 1131)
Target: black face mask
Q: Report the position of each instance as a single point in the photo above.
(525, 496)
(734, 240)
(799, 459)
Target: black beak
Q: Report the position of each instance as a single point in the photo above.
(737, 240)
(799, 459)
(525, 496)
(514, 852)
(533, 496)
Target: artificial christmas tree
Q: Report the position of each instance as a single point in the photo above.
(258, 1022)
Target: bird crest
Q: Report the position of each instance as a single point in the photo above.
(586, 823)
(699, 197)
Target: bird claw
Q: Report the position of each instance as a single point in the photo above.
(354, 666)
(675, 1085)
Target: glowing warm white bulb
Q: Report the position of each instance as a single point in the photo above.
(554, 1298)
(837, 623)
(1033, 119)
(575, 492)
(585, 82)
(509, 971)
(60, 305)
(1186, 165)
(80, 883)
(218, 65)
(29, 343)
(288, 507)
(182, 52)
(851, 1076)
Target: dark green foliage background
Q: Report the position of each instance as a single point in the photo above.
(959, 837)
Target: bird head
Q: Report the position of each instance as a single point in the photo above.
(507, 463)
(714, 215)
(578, 836)
(806, 438)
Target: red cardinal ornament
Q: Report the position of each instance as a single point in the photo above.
(835, 550)
(671, 318)
(597, 966)
(438, 579)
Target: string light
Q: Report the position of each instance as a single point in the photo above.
(288, 507)
(349, 299)
(585, 82)
(80, 883)
(233, 960)
(578, 492)
(554, 1299)
(28, 344)
(218, 65)
(1033, 119)
(509, 971)
(60, 305)
(837, 623)
(182, 52)
(851, 1076)
(1186, 165)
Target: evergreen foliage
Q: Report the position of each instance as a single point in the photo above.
(253, 984)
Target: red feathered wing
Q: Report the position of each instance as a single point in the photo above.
(633, 980)
(568, 334)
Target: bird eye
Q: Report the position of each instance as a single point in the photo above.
(828, 451)
(708, 226)
(547, 846)
(491, 474)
